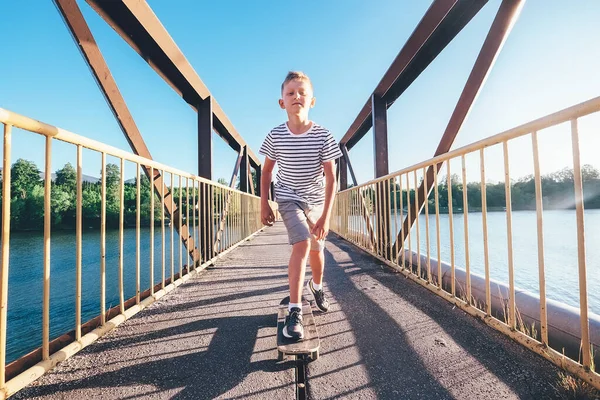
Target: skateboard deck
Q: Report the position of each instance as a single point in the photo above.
(307, 347)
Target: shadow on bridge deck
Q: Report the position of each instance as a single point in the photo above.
(385, 337)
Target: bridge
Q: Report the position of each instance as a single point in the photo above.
(196, 293)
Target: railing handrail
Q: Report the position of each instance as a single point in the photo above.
(559, 117)
(375, 202)
(203, 241)
(29, 124)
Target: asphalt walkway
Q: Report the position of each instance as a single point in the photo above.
(384, 337)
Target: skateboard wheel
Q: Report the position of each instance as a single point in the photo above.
(314, 355)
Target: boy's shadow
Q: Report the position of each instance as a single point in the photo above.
(203, 374)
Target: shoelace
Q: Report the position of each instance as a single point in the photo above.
(320, 295)
(296, 317)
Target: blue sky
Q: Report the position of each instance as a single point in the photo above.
(243, 50)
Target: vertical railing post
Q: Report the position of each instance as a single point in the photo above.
(5, 251)
(138, 249)
(162, 229)
(179, 216)
(103, 244)
(512, 305)
(172, 225)
(486, 258)
(539, 207)
(583, 297)
(78, 230)
(121, 254)
(47, 220)
(152, 231)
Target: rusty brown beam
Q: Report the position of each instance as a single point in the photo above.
(258, 178)
(244, 170)
(363, 205)
(86, 43)
(380, 136)
(506, 16)
(236, 170)
(342, 173)
(232, 182)
(137, 24)
(205, 124)
(441, 23)
(250, 182)
(347, 160)
(367, 218)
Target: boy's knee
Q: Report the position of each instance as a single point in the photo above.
(301, 246)
(317, 245)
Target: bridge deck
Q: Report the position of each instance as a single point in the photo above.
(385, 337)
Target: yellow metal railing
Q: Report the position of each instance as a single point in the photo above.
(216, 219)
(371, 215)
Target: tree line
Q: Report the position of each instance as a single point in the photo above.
(27, 196)
(27, 199)
(557, 193)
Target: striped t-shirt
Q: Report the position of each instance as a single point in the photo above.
(300, 159)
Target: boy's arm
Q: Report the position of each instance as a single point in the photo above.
(266, 212)
(321, 227)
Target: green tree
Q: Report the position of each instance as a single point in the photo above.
(24, 177)
(91, 203)
(27, 212)
(67, 177)
(113, 206)
(113, 175)
(62, 205)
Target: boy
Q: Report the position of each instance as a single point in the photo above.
(306, 153)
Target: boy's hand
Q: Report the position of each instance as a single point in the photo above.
(321, 228)
(266, 214)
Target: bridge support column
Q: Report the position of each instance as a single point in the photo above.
(258, 178)
(343, 172)
(244, 171)
(244, 187)
(205, 203)
(380, 155)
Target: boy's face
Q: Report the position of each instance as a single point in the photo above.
(297, 97)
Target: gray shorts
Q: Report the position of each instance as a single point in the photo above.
(298, 218)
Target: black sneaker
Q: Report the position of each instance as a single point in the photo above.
(319, 295)
(293, 328)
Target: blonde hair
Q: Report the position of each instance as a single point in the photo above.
(296, 75)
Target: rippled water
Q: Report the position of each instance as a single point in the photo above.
(560, 250)
(24, 328)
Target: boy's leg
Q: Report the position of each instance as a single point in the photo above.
(317, 264)
(294, 220)
(296, 224)
(316, 257)
(296, 269)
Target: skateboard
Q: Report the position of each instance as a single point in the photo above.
(304, 348)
